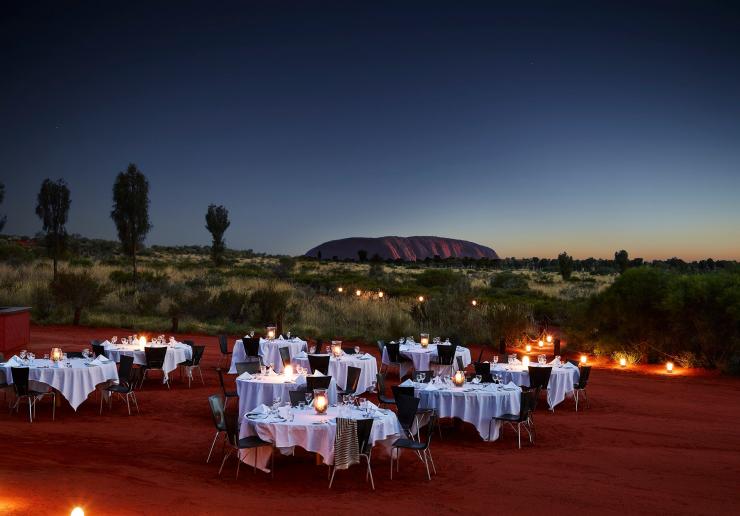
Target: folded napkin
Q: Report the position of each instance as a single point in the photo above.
(245, 376)
(97, 361)
(262, 409)
(15, 361)
(105, 343)
(511, 385)
(280, 338)
(317, 373)
(407, 383)
(518, 362)
(431, 387)
(475, 380)
(302, 354)
(555, 361)
(371, 405)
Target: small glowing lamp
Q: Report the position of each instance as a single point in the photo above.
(288, 370)
(424, 340)
(623, 362)
(271, 331)
(340, 290)
(421, 299)
(56, 354)
(540, 343)
(77, 511)
(142, 341)
(336, 348)
(669, 367)
(525, 361)
(528, 348)
(380, 294)
(458, 378)
(584, 359)
(320, 401)
(549, 339)
(358, 292)
(474, 302)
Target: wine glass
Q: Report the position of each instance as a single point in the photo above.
(113, 339)
(308, 396)
(23, 354)
(495, 359)
(251, 334)
(478, 378)
(288, 335)
(374, 386)
(357, 350)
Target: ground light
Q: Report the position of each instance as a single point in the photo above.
(340, 289)
(584, 359)
(380, 294)
(474, 302)
(77, 511)
(549, 339)
(669, 367)
(421, 299)
(623, 362)
(358, 293)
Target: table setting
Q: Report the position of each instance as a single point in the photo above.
(177, 352)
(74, 378)
(269, 350)
(267, 386)
(339, 361)
(563, 378)
(424, 354)
(474, 402)
(312, 429)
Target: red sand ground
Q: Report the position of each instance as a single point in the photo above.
(650, 444)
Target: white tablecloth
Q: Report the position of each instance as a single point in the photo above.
(338, 369)
(176, 354)
(475, 404)
(421, 358)
(309, 431)
(75, 383)
(264, 389)
(562, 379)
(269, 351)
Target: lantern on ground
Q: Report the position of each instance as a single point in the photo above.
(622, 362)
(424, 340)
(584, 359)
(340, 289)
(320, 401)
(549, 339)
(421, 299)
(358, 292)
(669, 367)
(380, 294)
(271, 332)
(474, 302)
(528, 348)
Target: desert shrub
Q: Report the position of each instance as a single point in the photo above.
(269, 305)
(77, 291)
(80, 262)
(284, 267)
(433, 278)
(508, 280)
(448, 313)
(507, 321)
(631, 357)
(231, 304)
(42, 302)
(148, 299)
(15, 255)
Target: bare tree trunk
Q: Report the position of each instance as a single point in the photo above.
(54, 259)
(78, 313)
(134, 262)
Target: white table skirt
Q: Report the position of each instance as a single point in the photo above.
(422, 358)
(75, 383)
(475, 407)
(338, 370)
(263, 390)
(269, 351)
(317, 438)
(562, 380)
(176, 354)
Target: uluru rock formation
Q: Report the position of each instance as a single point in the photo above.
(406, 248)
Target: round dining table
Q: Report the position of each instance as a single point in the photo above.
(74, 378)
(312, 432)
(422, 359)
(176, 354)
(338, 369)
(269, 350)
(256, 390)
(563, 379)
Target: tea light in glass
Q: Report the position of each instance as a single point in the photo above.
(271, 332)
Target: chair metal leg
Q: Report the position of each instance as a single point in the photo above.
(224, 462)
(200, 372)
(431, 459)
(30, 415)
(333, 472)
(239, 463)
(213, 444)
(53, 406)
(392, 450)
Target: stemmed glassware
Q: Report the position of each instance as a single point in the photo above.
(308, 396)
(495, 359)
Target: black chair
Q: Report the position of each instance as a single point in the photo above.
(353, 379)
(343, 440)
(502, 346)
(98, 350)
(446, 357)
(580, 387)
(539, 379)
(395, 358)
(428, 376)
(480, 356)
(194, 363)
(317, 382)
(317, 347)
(460, 365)
(319, 363)
(285, 356)
(74, 354)
(223, 345)
(189, 343)
(247, 367)
(527, 403)
(219, 420)
(574, 362)
(401, 391)
(95, 342)
(407, 409)
(245, 443)
(349, 351)
(154, 362)
(381, 345)
(484, 370)
(4, 386)
(382, 398)
(297, 396)
(227, 394)
(252, 347)
(22, 391)
(124, 388)
(556, 347)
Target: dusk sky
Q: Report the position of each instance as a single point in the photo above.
(558, 126)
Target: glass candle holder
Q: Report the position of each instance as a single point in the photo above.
(271, 332)
(424, 340)
(320, 401)
(458, 378)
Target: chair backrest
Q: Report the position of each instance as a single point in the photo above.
(285, 355)
(189, 342)
(446, 354)
(583, 378)
(556, 347)
(380, 383)
(297, 396)
(539, 377)
(74, 354)
(317, 382)
(198, 354)
(353, 379)
(401, 391)
(126, 364)
(349, 351)
(482, 368)
(319, 363)
(428, 375)
(232, 428)
(527, 403)
(20, 380)
(94, 342)
(502, 346)
(155, 357)
(381, 345)
(394, 351)
(251, 346)
(98, 349)
(364, 429)
(574, 362)
(247, 367)
(221, 380)
(480, 356)
(407, 406)
(223, 344)
(346, 447)
(217, 411)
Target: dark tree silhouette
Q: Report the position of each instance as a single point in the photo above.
(131, 210)
(565, 265)
(217, 222)
(362, 255)
(52, 207)
(622, 259)
(3, 218)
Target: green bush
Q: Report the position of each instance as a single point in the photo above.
(509, 281)
(78, 291)
(42, 303)
(434, 278)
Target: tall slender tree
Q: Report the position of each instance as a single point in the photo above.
(3, 218)
(131, 210)
(217, 222)
(622, 259)
(565, 265)
(52, 207)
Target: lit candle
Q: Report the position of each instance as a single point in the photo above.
(525, 361)
(336, 348)
(669, 367)
(56, 354)
(540, 343)
(288, 370)
(142, 341)
(549, 339)
(528, 348)
(320, 401)
(340, 290)
(424, 340)
(358, 292)
(458, 378)
(421, 299)
(77, 511)
(623, 362)
(474, 302)
(584, 359)
(271, 332)
(380, 294)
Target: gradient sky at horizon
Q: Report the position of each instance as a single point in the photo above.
(579, 126)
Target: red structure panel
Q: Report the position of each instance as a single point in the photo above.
(15, 327)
